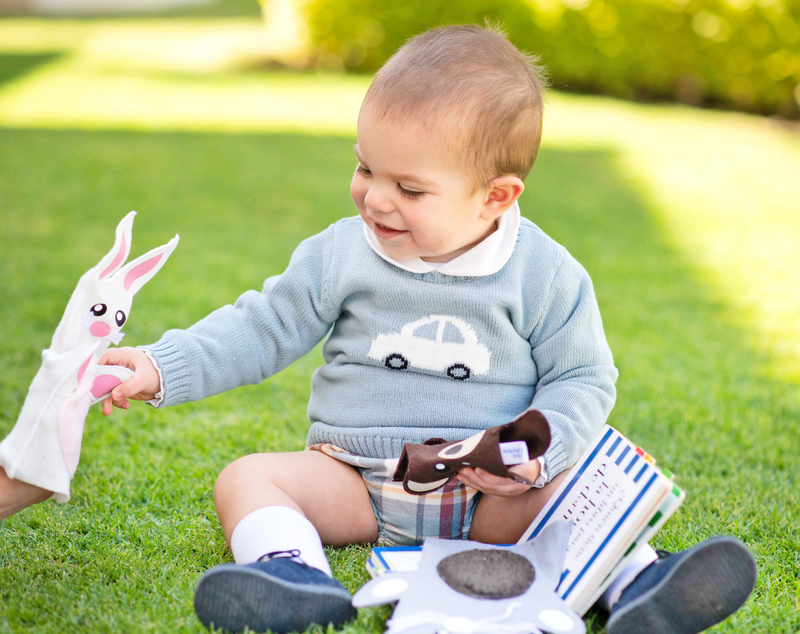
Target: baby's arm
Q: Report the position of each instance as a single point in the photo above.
(245, 343)
(575, 391)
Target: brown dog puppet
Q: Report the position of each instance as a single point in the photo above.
(426, 467)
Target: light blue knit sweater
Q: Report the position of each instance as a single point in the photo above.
(412, 355)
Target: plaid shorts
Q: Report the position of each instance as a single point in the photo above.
(405, 519)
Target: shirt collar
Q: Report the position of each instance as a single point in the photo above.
(485, 258)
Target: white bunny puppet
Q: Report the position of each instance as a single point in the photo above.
(44, 446)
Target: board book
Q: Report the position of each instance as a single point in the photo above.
(612, 495)
(617, 499)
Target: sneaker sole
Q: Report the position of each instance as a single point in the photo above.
(721, 566)
(233, 598)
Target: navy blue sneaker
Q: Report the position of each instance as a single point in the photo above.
(686, 592)
(279, 593)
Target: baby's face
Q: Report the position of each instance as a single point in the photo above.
(409, 192)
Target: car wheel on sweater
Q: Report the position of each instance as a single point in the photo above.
(458, 371)
(396, 361)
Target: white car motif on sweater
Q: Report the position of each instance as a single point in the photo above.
(459, 359)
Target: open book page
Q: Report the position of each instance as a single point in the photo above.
(671, 503)
(397, 558)
(610, 496)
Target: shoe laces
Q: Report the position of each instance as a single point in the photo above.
(293, 554)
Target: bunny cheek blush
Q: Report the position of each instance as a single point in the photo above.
(44, 446)
(100, 329)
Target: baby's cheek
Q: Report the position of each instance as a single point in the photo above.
(357, 193)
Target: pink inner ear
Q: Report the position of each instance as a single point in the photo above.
(83, 368)
(117, 259)
(140, 269)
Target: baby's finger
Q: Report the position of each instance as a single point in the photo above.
(112, 356)
(490, 478)
(127, 389)
(107, 406)
(470, 478)
(491, 484)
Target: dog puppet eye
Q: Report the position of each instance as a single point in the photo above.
(119, 318)
(98, 309)
(461, 449)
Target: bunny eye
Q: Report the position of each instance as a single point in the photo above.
(119, 317)
(98, 309)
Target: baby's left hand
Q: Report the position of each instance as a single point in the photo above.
(495, 485)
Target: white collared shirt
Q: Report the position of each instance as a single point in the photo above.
(485, 258)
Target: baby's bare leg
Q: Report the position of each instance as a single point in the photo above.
(329, 493)
(503, 520)
(16, 495)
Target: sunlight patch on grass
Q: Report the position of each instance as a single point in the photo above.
(724, 187)
(72, 94)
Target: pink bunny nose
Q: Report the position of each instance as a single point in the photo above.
(100, 329)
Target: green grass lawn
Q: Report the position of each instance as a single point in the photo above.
(687, 221)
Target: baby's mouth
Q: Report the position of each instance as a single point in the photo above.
(382, 231)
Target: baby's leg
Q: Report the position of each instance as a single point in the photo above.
(329, 493)
(503, 520)
(16, 495)
(274, 509)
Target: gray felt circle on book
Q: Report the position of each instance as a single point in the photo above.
(487, 573)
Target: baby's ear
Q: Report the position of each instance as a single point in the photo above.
(119, 253)
(137, 273)
(501, 193)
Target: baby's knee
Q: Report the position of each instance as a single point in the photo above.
(242, 472)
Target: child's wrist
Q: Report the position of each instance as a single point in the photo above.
(158, 392)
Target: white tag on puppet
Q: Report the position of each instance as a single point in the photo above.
(515, 452)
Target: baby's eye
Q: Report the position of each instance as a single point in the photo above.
(408, 193)
(363, 170)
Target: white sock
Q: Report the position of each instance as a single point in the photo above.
(640, 560)
(275, 528)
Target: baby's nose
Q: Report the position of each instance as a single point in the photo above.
(378, 200)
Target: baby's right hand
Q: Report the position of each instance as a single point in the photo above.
(142, 386)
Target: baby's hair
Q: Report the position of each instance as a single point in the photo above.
(475, 83)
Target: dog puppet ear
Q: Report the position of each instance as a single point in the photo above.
(119, 252)
(533, 428)
(137, 273)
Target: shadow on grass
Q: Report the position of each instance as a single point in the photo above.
(15, 66)
(690, 391)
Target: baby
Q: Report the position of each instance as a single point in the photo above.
(446, 313)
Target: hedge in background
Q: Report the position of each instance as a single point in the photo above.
(740, 54)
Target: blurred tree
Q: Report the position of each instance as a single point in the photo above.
(740, 54)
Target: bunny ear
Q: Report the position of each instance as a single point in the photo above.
(122, 247)
(137, 273)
